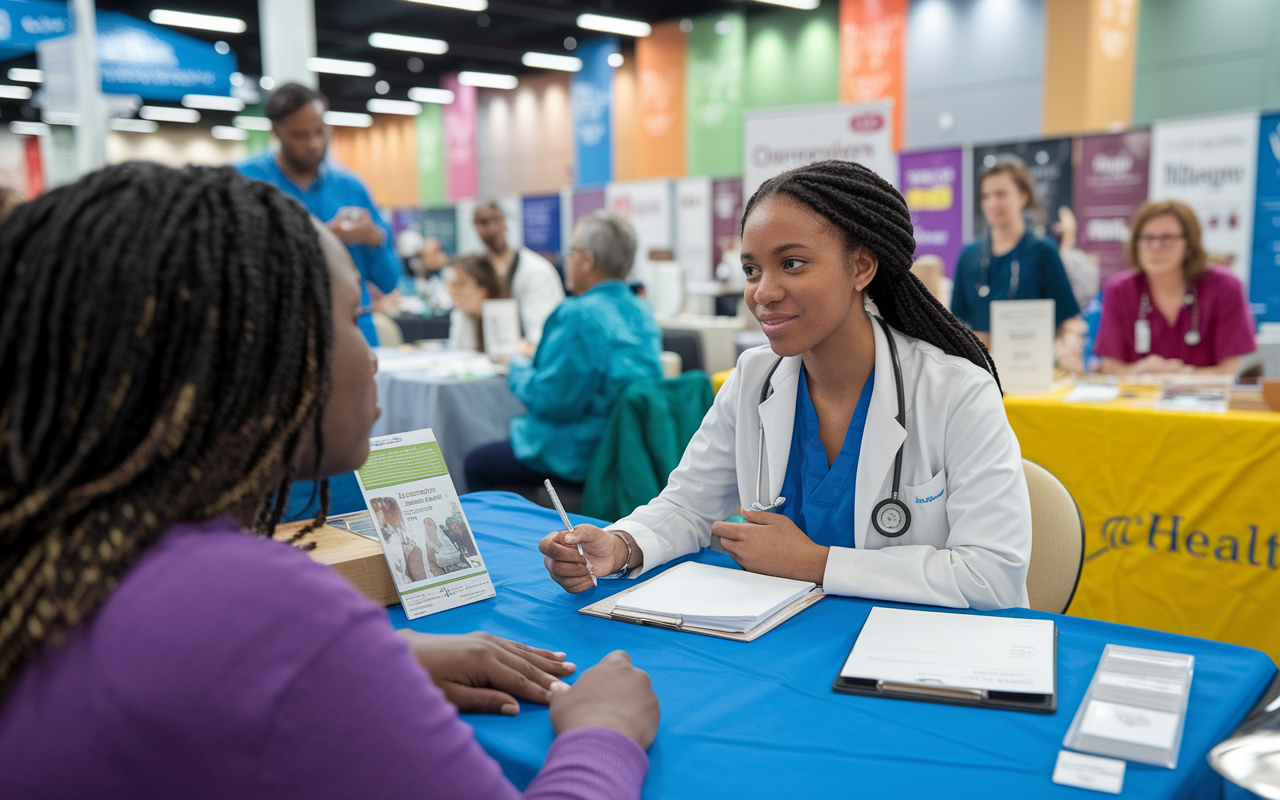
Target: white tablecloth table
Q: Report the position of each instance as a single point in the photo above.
(457, 395)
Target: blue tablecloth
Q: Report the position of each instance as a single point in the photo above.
(760, 719)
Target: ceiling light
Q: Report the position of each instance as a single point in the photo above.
(267, 82)
(615, 60)
(204, 22)
(622, 27)
(15, 92)
(488, 80)
(337, 66)
(380, 105)
(804, 5)
(347, 119)
(548, 61)
(134, 125)
(252, 123)
(410, 44)
(24, 128)
(424, 94)
(26, 75)
(229, 133)
(213, 102)
(464, 5)
(169, 114)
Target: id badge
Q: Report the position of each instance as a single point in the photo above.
(1142, 336)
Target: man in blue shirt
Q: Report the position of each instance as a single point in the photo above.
(331, 193)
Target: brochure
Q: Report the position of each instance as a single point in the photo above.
(434, 559)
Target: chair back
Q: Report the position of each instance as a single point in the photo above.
(1057, 541)
(389, 333)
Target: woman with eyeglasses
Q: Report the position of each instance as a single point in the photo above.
(1172, 312)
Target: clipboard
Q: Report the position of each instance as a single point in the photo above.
(606, 609)
(953, 695)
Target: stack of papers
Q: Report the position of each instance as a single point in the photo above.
(717, 598)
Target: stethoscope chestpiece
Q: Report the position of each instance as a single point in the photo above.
(891, 518)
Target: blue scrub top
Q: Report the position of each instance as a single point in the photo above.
(332, 189)
(820, 499)
(1040, 276)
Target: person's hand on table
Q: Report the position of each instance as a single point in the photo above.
(526, 348)
(612, 694)
(355, 225)
(481, 673)
(1156, 365)
(771, 544)
(606, 550)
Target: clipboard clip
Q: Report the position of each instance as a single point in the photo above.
(673, 622)
(933, 690)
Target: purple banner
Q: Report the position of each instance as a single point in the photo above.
(726, 217)
(585, 201)
(931, 186)
(1111, 183)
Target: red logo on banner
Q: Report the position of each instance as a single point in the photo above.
(870, 121)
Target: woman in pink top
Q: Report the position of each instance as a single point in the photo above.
(1172, 313)
(176, 347)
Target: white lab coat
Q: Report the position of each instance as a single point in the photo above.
(537, 289)
(970, 537)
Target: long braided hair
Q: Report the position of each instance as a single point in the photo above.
(870, 213)
(165, 342)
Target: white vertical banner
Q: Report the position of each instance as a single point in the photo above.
(1210, 163)
(566, 224)
(693, 228)
(647, 206)
(777, 141)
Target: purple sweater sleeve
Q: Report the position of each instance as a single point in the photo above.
(363, 719)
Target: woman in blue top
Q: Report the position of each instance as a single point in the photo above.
(1010, 262)
(592, 347)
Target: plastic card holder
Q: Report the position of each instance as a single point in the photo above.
(1135, 707)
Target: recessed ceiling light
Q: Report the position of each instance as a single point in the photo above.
(229, 133)
(204, 22)
(15, 92)
(169, 114)
(267, 82)
(338, 66)
(26, 75)
(615, 60)
(347, 119)
(252, 123)
(213, 102)
(803, 5)
(24, 128)
(488, 80)
(381, 105)
(548, 61)
(410, 44)
(423, 94)
(622, 27)
(134, 125)
(221, 47)
(464, 5)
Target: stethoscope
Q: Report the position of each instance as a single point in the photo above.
(890, 517)
(1142, 326)
(984, 266)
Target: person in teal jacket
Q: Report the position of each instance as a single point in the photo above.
(593, 346)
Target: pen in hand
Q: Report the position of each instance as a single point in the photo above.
(568, 526)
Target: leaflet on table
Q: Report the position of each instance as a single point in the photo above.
(434, 559)
(1211, 393)
(1135, 706)
(1022, 334)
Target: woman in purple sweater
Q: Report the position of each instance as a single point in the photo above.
(176, 347)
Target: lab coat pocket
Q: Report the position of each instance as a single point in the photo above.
(928, 504)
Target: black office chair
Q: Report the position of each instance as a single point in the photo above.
(687, 344)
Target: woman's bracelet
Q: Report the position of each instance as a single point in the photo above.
(625, 564)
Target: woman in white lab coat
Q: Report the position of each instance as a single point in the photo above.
(870, 455)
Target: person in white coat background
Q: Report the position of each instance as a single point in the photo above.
(812, 435)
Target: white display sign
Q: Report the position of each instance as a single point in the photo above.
(647, 206)
(500, 322)
(1210, 163)
(693, 228)
(777, 141)
(1022, 333)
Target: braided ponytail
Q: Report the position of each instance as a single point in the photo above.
(872, 214)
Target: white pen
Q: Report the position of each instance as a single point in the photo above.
(568, 526)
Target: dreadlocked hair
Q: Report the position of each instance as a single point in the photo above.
(165, 342)
(870, 213)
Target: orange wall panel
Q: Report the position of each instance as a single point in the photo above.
(626, 119)
(660, 71)
(872, 44)
(385, 156)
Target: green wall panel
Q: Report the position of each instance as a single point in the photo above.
(793, 57)
(1197, 57)
(431, 166)
(713, 94)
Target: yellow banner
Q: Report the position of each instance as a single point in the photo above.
(1181, 514)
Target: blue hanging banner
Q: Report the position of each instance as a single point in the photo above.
(1264, 280)
(542, 226)
(157, 63)
(592, 109)
(25, 22)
